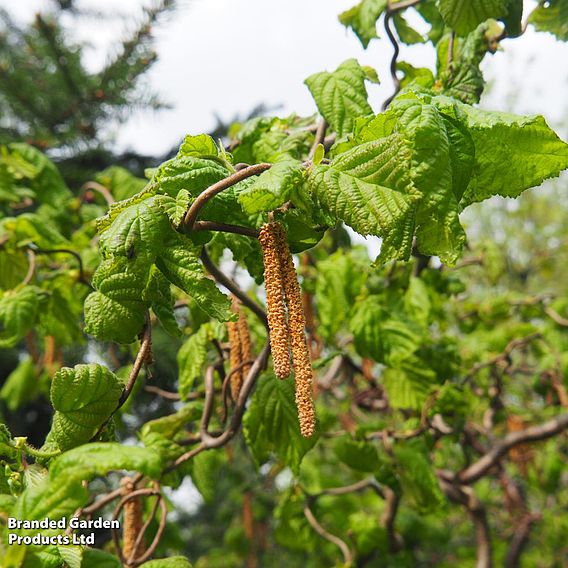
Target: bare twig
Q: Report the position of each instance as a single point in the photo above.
(31, 267)
(76, 255)
(499, 449)
(556, 317)
(347, 555)
(233, 287)
(141, 357)
(216, 188)
(225, 228)
(519, 540)
(167, 394)
(396, 51)
(94, 186)
(402, 5)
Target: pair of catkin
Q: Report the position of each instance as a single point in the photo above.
(286, 321)
(241, 349)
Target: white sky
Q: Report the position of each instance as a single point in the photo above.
(225, 56)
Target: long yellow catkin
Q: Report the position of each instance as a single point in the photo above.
(275, 306)
(132, 522)
(235, 358)
(246, 344)
(303, 371)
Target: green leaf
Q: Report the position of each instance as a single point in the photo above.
(362, 18)
(529, 147)
(341, 95)
(271, 424)
(163, 302)
(175, 208)
(84, 397)
(21, 385)
(339, 281)
(95, 558)
(206, 472)
(191, 357)
(171, 562)
(179, 262)
(551, 16)
(201, 145)
(359, 455)
(46, 182)
(18, 312)
(116, 310)
(417, 477)
(137, 233)
(415, 77)
(408, 384)
(464, 15)
(380, 336)
(188, 172)
(91, 460)
(406, 33)
(369, 188)
(273, 187)
(120, 182)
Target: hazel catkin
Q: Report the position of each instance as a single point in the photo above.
(133, 522)
(241, 349)
(303, 372)
(275, 306)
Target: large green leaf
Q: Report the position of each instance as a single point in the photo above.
(206, 473)
(188, 172)
(18, 312)
(83, 397)
(362, 18)
(341, 95)
(530, 149)
(369, 188)
(116, 310)
(137, 233)
(271, 424)
(179, 262)
(91, 460)
(464, 15)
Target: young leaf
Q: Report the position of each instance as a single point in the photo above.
(271, 424)
(362, 18)
(201, 145)
(180, 265)
(464, 16)
(191, 358)
(273, 187)
(406, 33)
(83, 397)
(341, 95)
(18, 312)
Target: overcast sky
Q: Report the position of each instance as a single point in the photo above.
(225, 56)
